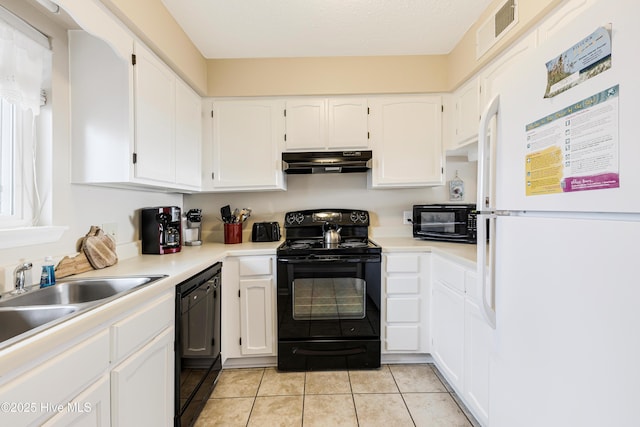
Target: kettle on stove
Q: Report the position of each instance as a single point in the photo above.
(331, 233)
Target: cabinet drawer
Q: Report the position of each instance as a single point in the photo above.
(403, 338)
(403, 263)
(55, 381)
(448, 273)
(403, 285)
(403, 309)
(255, 266)
(136, 330)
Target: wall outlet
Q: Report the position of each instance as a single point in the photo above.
(407, 217)
(111, 228)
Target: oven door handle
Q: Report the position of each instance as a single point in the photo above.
(344, 352)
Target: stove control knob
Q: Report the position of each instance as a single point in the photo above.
(294, 217)
(363, 217)
(354, 216)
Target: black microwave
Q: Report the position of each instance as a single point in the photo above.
(446, 223)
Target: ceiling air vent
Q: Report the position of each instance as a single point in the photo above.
(498, 24)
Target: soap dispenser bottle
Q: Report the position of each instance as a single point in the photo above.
(47, 277)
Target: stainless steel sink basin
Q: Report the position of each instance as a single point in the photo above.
(17, 320)
(78, 291)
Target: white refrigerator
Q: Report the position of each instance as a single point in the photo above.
(559, 186)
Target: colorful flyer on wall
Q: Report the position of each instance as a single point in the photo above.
(576, 148)
(587, 58)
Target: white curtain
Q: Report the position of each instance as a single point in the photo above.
(21, 68)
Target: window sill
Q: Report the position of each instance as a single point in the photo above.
(27, 236)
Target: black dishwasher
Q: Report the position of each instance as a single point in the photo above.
(197, 343)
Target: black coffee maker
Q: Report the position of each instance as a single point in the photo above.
(160, 230)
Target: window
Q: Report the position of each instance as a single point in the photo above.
(18, 206)
(25, 65)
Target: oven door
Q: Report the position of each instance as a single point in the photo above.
(328, 311)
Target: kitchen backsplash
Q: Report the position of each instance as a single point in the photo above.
(331, 191)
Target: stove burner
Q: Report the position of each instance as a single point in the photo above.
(300, 246)
(353, 244)
(306, 241)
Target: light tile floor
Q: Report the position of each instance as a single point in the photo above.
(394, 395)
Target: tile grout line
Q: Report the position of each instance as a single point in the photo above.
(467, 414)
(304, 397)
(401, 395)
(255, 397)
(353, 399)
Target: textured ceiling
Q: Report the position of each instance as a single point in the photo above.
(311, 28)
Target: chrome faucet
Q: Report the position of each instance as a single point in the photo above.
(19, 276)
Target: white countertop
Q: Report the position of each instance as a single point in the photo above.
(464, 253)
(179, 267)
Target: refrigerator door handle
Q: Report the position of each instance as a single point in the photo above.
(485, 156)
(486, 224)
(486, 221)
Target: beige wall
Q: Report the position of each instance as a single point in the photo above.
(335, 75)
(462, 62)
(76, 206)
(151, 21)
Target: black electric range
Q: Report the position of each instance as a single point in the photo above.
(328, 294)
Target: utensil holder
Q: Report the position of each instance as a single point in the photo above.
(233, 233)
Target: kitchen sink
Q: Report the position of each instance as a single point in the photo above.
(78, 291)
(17, 320)
(38, 309)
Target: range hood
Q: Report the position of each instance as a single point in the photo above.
(326, 162)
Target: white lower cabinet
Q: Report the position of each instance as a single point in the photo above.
(248, 306)
(447, 331)
(461, 337)
(142, 381)
(44, 390)
(478, 337)
(142, 387)
(119, 374)
(256, 316)
(91, 408)
(406, 308)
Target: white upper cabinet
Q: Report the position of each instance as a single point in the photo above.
(466, 113)
(348, 123)
(155, 88)
(498, 67)
(134, 123)
(246, 145)
(188, 135)
(306, 124)
(317, 124)
(406, 136)
(559, 19)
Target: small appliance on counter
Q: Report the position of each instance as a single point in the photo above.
(445, 222)
(193, 230)
(265, 232)
(160, 230)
